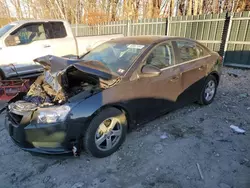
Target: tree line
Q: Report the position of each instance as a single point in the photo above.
(99, 11)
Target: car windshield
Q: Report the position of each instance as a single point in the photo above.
(118, 57)
(5, 29)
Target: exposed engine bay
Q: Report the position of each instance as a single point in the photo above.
(50, 89)
(78, 80)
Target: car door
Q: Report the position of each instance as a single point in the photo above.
(24, 45)
(157, 94)
(193, 64)
(62, 42)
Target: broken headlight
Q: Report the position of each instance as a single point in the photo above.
(52, 115)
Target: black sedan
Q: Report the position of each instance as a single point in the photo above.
(91, 102)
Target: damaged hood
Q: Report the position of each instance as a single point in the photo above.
(55, 63)
(95, 68)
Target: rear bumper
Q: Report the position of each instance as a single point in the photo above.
(46, 139)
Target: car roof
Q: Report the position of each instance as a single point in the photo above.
(144, 40)
(37, 21)
(152, 40)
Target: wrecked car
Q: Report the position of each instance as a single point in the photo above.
(91, 102)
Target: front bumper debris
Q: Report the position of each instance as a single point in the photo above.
(42, 138)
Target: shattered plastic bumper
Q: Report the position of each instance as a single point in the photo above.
(42, 138)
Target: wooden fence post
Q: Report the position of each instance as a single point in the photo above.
(228, 36)
(166, 29)
(225, 33)
(128, 28)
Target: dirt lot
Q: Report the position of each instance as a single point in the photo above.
(161, 154)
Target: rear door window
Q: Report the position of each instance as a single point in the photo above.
(190, 50)
(161, 56)
(55, 30)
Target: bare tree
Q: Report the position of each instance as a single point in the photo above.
(190, 7)
(17, 6)
(196, 5)
(114, 10)
(201, 7)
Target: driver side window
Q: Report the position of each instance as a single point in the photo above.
(161, 56)
(26, 35)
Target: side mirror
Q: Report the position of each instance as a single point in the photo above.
(150, 71)
(12, 40)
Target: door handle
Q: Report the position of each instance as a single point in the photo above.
(201, 68)
(46, 46)
(174, 78)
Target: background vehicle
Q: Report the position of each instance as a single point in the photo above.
(23, 41)
(119, 84)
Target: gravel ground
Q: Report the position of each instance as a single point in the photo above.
(161, 154)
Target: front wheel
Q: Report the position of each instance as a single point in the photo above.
(209, 90)
(106, 132)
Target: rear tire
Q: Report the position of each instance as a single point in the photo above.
(209, 91)
(106, 133)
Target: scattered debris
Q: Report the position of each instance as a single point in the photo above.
(243, 150)
(200, 172)
(78, 185)
(224, 140)
(158, 148)
(164, 136)
(202, 119)
(74, 150)
(237, 129)
(243, 161)
(223, 185)
(176, 132)
(243, 95)
(234, 74)
(217, 155)
(103, 180)
(46, 179)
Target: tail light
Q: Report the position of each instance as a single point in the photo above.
(220, 59)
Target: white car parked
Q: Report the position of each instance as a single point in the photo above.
(23, 41)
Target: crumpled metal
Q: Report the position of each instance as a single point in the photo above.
(37, 99)
(46, 88)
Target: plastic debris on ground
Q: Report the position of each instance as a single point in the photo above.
(164, 136)
(200, 172)
(237, 129)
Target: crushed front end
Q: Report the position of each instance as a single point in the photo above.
(28, 132)
(39, 120)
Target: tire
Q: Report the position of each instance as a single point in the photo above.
(204, 99)
(98, 130)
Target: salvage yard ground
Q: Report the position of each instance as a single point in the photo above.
(163, 153)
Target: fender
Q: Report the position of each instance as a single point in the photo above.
(82, 113)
